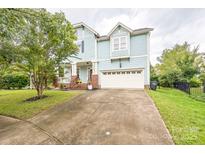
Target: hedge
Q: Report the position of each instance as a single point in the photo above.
(13, 81)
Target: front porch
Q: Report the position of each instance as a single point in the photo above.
(79, 75)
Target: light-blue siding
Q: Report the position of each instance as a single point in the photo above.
(89, 44)
(137, 53)
(138, 45)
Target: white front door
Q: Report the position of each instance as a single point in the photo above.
(122, 79)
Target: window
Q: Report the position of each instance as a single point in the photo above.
(128, 72)
(120, 43)
(80, 45)
(116, 44)
(123, 43)
(138, 72)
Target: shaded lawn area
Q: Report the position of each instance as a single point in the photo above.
(12, 102)
(183, 115)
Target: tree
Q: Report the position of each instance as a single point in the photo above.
(11, 22)
(153, 74)
(44, 42)
(201, 61)
(177, 64)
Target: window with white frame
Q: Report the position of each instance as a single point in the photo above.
(123, 43)
(120, 43)
(116, 43)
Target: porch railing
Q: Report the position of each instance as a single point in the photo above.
(64, 80)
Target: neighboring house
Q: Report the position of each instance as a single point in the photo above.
(121, 59)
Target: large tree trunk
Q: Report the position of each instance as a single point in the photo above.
(39, 92)
(46, 83)
(39, 83)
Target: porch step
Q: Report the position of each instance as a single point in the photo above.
(79, 86)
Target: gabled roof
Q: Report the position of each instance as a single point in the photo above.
(82, 24)
(122, 25)
(106, 37)
(141, 31)
(134, 32)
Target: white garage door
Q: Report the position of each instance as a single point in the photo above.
(122, 79)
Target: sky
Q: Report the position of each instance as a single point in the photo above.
(171, 26)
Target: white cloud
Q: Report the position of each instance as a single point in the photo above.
(171, 26)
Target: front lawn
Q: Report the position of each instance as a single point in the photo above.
(12, 102)
(183, 116)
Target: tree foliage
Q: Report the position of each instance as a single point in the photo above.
(177, 64)
(41, 42)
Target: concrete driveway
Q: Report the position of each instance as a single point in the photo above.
(96, 117)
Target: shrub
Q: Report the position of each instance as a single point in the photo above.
(195, 82)
(13, 81)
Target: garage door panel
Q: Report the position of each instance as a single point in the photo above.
(123, 79)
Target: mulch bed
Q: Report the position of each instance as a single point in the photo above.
(35, 98)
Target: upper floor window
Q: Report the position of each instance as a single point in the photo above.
(80, 45)
(119, 43)
(123, 43)
(116, 43)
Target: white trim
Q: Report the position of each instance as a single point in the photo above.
(96, 56)
(119, 39)
(124, 69)
(122, 57)
(122, 78)
(129, 45)
(148, 58)
(113, 43)
(74, 69)
(83, 34)
(89, 28)
(88, 71)
(95, 68)
(122, 25)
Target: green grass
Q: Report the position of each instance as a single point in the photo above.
(12, 102)
(183, 116)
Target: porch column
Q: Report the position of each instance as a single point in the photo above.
(95, 74)
(74, 69)
(95, 68)
(73, 75)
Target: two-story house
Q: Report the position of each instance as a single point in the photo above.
(120, 59)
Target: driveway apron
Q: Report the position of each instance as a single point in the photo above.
(113, 116)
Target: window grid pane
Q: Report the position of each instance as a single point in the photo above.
(116, 43)
(123, 43)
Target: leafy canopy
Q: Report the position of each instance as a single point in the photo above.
(177, 64)
(40, 41)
